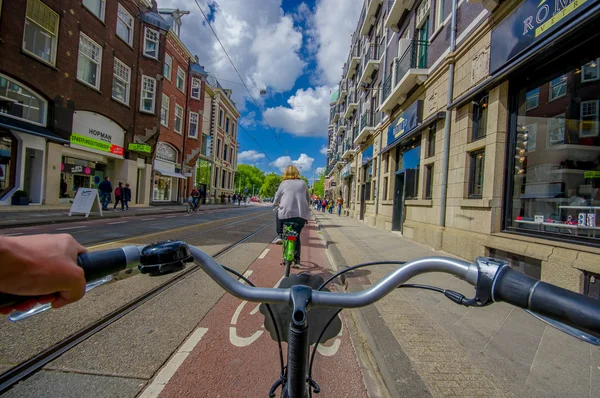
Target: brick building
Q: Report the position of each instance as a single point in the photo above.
(78, 86)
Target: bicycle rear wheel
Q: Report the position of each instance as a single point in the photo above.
(288, 266)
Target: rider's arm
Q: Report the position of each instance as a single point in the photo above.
(278, 196)
(44, 266)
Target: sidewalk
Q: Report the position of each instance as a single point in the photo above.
(19, 216)
(425, 345)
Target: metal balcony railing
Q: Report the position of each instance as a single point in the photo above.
(387, 86)
(415, 56)
(373, 53)
(367, 120)
(355, 132)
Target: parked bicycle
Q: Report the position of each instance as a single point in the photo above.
(302, 311)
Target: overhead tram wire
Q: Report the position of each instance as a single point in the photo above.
(259, 147)
(238, 73)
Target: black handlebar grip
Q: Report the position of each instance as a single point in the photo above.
(565, 306)
(95, 265)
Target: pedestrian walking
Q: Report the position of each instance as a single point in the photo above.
(340, 202)
(229, 198)
(234, 197)
(126, 196)
(119, 197)
(323, 205)
(105, 188)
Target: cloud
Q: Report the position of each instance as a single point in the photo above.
(249, 120)
(323, 150)
(306, 115)
(262, 41)
(303, 163)
(250, 156)
(319, 170)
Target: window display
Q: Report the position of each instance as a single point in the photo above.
(556, 148)
(8, 159)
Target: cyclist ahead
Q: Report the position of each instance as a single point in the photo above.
(293, 200)
(195, 197)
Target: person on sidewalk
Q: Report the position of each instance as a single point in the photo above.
(105, 188)
(118, 197)
(126, 196)
(323, 205)
(195, 197)
(293, 200)
(234, 198)
(340, 202)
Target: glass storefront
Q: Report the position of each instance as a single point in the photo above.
(554, 187)
(162, 188)
(8, 159)
(79, 173)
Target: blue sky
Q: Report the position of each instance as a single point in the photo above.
(293, 49)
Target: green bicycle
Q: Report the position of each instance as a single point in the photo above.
(290, 237)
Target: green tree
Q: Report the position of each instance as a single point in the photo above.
(305, 180)
(247, 176)
(270, 185)
(203, 172)
(319, 186)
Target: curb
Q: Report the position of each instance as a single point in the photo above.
(392, 364)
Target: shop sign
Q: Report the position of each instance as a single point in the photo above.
(530, 22)
(76, 169)
(367, 155)
(591, 174)
(408, 120)
(140, 148)
(99, 133)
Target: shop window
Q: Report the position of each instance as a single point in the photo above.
(168, 67)
(526, 265)
(530, 138)
(8, 160)
(18, 102)
(480, 114)
(556, 129)
(368, 178)
(477, 160)
(558, 87)
(124, 25)
(428, 181)
(89, 62)
(195, 88)
(193, 132)
(431, 141)
(180, 79)
(151, 42)
(532, 99)
(588, 125)
(41, 31)
(178, 124)
(590, 71)
(148, 94)
(121, 82)
(164, 110)
(96, 7)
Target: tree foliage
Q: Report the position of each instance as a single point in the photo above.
(270, 185)
(319, 186)
(247, 176)
(203, 172)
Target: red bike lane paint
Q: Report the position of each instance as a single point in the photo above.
(237, 358)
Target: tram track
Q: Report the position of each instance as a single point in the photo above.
(32, 365)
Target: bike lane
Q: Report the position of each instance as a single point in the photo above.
(234, 356)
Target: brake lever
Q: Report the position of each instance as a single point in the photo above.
(571, 331)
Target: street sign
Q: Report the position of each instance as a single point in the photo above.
(84, 201)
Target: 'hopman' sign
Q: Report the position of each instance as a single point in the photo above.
(530, 22)
(406, 122)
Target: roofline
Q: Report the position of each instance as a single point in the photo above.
(172, 35)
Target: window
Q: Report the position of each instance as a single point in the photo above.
(532, 99)
(196, 88)
(89, 62)
(480, 110)
(223, 175)
(385, 188)
(180, 83)
(125, 25)
(151, 37)
(41, 31)
(206, 145)
(216, 176)
(230, 155)
(121, 82)
(558, 87)
(476, 174)
(556, 130)
(227, 125)
(225, 152)
(148, 92)
(589, 119)
(431, 141)
(193, 131)
(96, 7)
(234, 130)
(439, 13)
(220, 118)
(9, 147)
(386, 160)
(218, 154)
(167, 67)
(428, 181)
(178, 119)
(590, 71)
(18, 102)
(164, 110)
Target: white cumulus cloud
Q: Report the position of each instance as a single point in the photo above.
(319, 170)
(303, 163)
(250, 156)
(323, 150)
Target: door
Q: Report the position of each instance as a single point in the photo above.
(398, 213)
(348, 192)
(32, 176)
(423, 39)
(362, 201)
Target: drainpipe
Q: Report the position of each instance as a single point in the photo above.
(448, 117)
(186, 115)
(381, 132)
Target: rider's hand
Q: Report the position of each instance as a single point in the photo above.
(44, 266)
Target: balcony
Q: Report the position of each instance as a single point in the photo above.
(343, 91)
(367, 126)
(396, 8)
(352, 63)
(370, 64)
(368, 16)
(348, 149)
(352, 103)
(341, 128)
(409, 69)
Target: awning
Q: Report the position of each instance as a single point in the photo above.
(426, 123)
(169, 173)
(24, 127)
